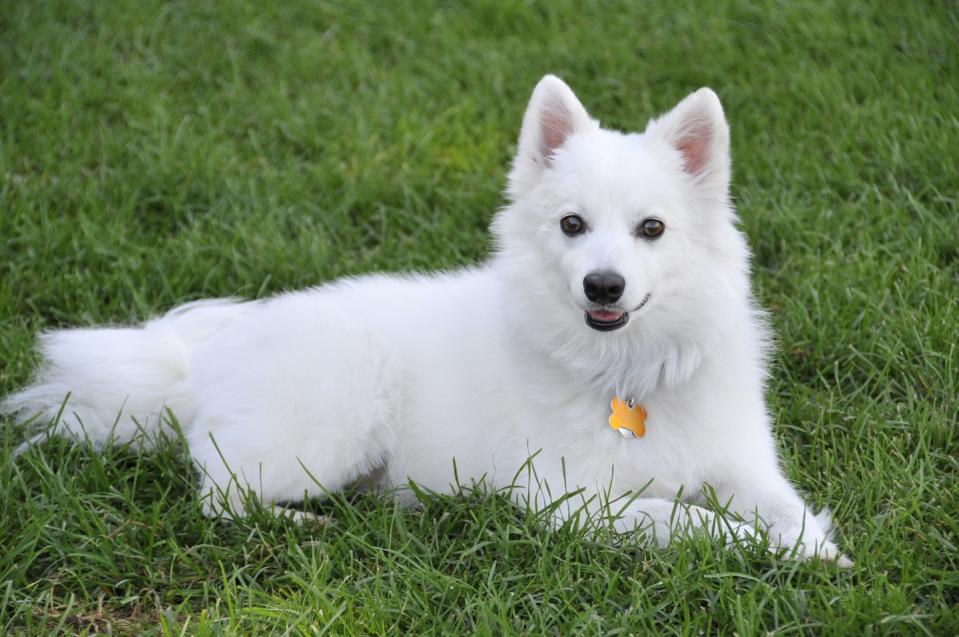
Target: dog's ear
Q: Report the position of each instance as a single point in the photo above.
(553, 115)
(698, 131)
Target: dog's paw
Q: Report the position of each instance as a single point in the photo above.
(825, 551)
(810, 546)
(812, 539)
(844, 562)
(733, 531)
(301, 517)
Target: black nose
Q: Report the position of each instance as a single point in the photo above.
(604, 287)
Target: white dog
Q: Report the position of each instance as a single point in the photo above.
(612, 337)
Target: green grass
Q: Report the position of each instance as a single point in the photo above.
(156, 152)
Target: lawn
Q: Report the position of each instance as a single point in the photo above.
(155, 152)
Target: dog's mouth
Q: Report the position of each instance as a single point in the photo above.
(606, 319)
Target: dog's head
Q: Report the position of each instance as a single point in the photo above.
(618, 241)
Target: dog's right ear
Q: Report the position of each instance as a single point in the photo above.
(553, 115)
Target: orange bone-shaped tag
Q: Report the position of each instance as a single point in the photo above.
(630, 422)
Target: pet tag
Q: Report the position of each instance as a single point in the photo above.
(628, 419)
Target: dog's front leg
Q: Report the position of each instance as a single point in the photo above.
(658, 519)
(665, 520)
(765, 498)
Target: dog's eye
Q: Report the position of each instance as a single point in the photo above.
(651, 228)
(572, 224)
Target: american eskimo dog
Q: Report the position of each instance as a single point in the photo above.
(612, 337)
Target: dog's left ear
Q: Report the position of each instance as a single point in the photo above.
(553, 116)
(698, 131)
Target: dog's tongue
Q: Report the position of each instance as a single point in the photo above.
(605, 316)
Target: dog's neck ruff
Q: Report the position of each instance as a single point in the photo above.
(628, 418)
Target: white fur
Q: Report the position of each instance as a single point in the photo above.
(400, 376)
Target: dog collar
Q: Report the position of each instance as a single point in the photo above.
(628, 418)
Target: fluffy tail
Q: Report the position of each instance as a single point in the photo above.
(112, 383)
